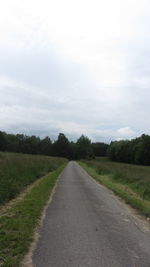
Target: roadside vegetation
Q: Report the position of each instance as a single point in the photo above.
(61, 147)
(131, 182)
(18, 222)
(136, 151)
(19, 170)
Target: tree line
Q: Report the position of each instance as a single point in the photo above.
(136, 151)
(61, 147)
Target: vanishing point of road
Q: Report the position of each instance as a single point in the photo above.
(86, 225)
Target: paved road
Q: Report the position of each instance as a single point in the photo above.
(86, 225)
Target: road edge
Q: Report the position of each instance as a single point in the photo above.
(139, 219)
(27, 261)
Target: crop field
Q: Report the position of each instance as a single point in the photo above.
(19, 170)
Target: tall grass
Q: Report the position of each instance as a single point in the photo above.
(19, 170)
(137, 177)
(18, 222)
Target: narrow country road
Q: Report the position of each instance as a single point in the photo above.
(86, 225)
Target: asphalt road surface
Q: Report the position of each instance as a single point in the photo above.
(86, 225)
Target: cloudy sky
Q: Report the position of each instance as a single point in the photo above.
(75, 67)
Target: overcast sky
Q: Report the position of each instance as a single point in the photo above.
(77, 67)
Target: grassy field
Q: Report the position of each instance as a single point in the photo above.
(131, 182)
(18, 222)
(19, 170)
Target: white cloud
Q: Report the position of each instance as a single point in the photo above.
(75, 66)
(125, 133)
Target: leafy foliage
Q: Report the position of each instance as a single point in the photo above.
(99, 149)
(136, 151)
(84, 148)
(62, 147)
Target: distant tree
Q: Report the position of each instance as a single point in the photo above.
(3, 141)
(135, 151)
(112, 151)
(45, 146)
(21, 139)
(61, 147)
(31, 145)
(73, 151)
(118, 151)
(12, 143)
(142, 150)
(100, 149)
(84, 148)
(146, 148)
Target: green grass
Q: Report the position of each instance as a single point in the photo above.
(17, 223)
(19, 170)
(131, 182)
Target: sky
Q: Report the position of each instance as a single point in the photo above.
(76, 67)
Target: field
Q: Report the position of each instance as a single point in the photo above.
(19, 170)
(131, 182)
(18, 221)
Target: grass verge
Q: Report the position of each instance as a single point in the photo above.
(20, 170)
(122, 190)
(137, 177)
(18, 222)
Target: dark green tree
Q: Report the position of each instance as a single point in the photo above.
(100, 149)
(32, 145)
(3, 141)
(61, 147)
(45, 146)
(84, 148)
